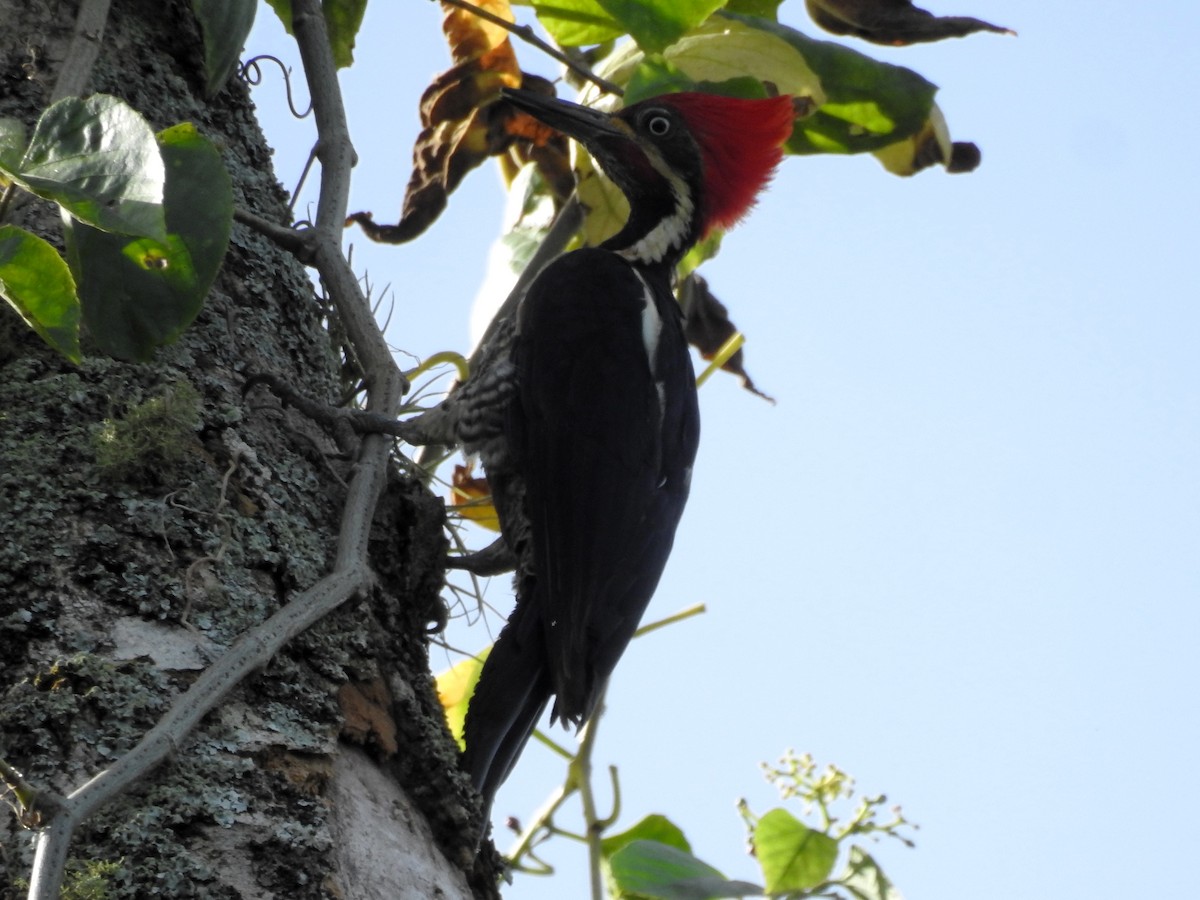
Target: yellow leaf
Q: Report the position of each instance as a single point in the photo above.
(455, 687)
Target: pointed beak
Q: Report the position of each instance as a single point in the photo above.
(584, 125)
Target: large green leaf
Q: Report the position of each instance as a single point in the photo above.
(342, 18)
(868, 104)
(722, 49)
(650, 869)
(98, 159)
(654, 827)
(656, 24)
(37, 283)
(861, 104)
(141, 293)
(225, 25)
(793, 856)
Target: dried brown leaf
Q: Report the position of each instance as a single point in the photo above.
(470, 36)
(464, 122)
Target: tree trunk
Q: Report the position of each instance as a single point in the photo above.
(151, 514)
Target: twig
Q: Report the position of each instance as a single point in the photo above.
(697, 610)
(541, 820)
(527, 34)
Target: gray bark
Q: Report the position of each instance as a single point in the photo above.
(330, 772)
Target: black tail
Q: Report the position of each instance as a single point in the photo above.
(511, 695)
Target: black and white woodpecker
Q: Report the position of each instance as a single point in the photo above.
(586, 421)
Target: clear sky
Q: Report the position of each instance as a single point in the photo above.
(960, 557)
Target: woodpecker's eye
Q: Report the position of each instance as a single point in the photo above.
(658, 125)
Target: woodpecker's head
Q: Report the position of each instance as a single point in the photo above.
(687, 162)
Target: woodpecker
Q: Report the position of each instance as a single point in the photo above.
(587, 422)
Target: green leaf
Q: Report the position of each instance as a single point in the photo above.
(653, 76)
(97, 158)
(654, 827)
(868, 104)
(650, 869)
(342, 18)
(764, 9)
(862, 105)
(12, 146)
(793, 856)
(656, 24)
(606, 205)
(141, 293)
(722, 49)
(38, 285)
(455, 687)
(866, 880)
(198, 198)
(577, 23)
(225, 25)
(283, 10)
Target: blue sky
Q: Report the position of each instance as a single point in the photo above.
(959, 558)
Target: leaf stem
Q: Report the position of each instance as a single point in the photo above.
(558, 748)
(698, 609)
(730, 347)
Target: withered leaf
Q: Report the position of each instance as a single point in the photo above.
(471, 36)
(463, 121)
(895, 22)
(472, 498)
(707, 327)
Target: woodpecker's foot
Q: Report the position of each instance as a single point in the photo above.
(494, 559)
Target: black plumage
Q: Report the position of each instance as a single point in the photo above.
(611, 432)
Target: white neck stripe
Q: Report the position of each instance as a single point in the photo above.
(670, 233)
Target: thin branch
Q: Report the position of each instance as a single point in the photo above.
(687, 613)
(541, 820)
(529, 36)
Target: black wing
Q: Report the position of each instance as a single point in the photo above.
(605, 430)
(601, 438)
